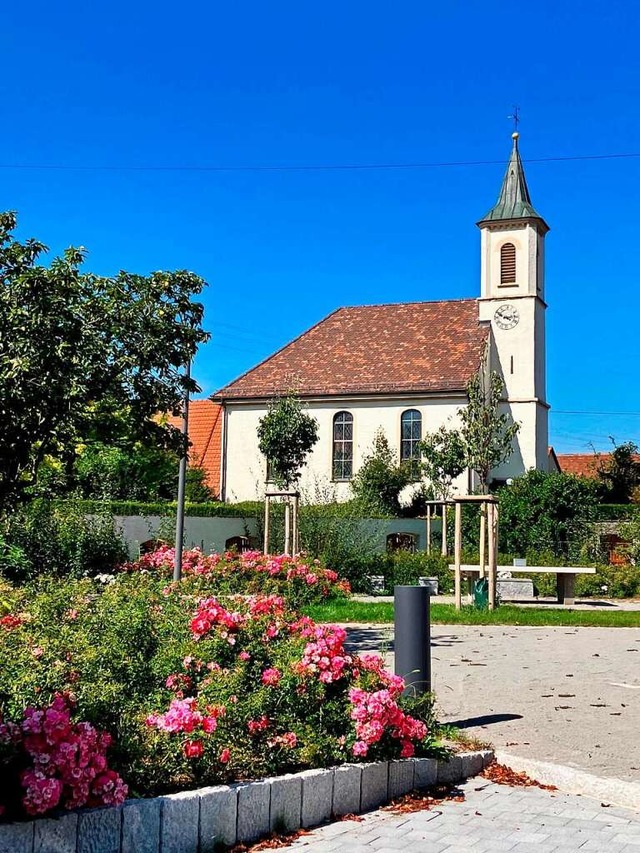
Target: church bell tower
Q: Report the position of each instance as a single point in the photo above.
(513, 301)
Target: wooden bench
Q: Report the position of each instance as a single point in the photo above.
(565, 576)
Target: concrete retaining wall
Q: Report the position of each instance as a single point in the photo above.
(211, 534)
(204, 820)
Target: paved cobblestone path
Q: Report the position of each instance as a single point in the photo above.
(492, 818)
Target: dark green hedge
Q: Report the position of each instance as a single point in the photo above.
(616, 512)
(248, 509)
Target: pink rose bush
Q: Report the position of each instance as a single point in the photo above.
(65, 762)
(300, 580)
(195, 685)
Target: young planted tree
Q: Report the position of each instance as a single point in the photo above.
(486, 433)
(286, 435)
(379, 481)
(443, 455)
(86, 358)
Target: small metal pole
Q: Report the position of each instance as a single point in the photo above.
(412, 637)
(267, 504)
(428, 530)
(182, 478)
(458, 554)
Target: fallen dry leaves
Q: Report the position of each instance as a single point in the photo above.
(416, 801)
(273, 842)
(502, 775)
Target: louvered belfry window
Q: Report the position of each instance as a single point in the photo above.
(508, 264)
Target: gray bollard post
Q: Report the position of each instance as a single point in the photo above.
(412, 642)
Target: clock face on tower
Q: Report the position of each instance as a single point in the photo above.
(506, 316)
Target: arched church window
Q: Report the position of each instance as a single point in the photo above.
(508, 264)
(410, 436)
(342, 455)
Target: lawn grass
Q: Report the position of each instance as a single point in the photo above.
(446, 614)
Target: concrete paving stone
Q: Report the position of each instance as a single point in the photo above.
(254, 801)
(56, 835)
(99, 830)
(347, 783)
(317, 796)
(426, 772)
(16, 837)
(386, 842)
(286, 803)
(401, 777)
(141, 826)
(179, 828)
(218, 817)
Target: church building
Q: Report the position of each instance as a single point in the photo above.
(404, 367)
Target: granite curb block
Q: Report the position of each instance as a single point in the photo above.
(203, 820)
(611, 791)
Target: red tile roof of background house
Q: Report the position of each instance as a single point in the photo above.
(581, 464)
(205, 434)
(584, 464)
(407, 347)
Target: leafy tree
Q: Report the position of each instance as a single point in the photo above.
(619, 472)
(196, 489)
(379, 481)
(104, 472)
(546, 511)
(286, 434)
(86, 357)
(443, 453)
(486, 433)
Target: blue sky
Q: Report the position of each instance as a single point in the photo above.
(152, 85)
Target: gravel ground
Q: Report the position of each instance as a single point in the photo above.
(565, 695)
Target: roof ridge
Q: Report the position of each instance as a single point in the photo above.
(415, 302)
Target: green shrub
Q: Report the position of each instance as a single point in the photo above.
(276, 690)
(59, 539)
(403, 567)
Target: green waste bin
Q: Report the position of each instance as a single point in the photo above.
(481, 593)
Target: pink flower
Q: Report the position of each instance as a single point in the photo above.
(271, 677)
(225, 755)
(360, 748)
(244, 656)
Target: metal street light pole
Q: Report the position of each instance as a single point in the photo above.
(182, 477)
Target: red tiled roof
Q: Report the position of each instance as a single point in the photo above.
(411, 346)
(583, 464)
(205, 434)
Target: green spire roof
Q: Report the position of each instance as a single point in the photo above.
(514, 201)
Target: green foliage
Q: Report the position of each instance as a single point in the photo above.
(547, 511)
(486, 433)
(619, 473)
(630, 532)
(443, 453)
(286, 435)
(196, 488)
(59, 540)
(212, 509)
(379, 481)
(105, 472)
(403, 567)
(86, 357)
(615, 512)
